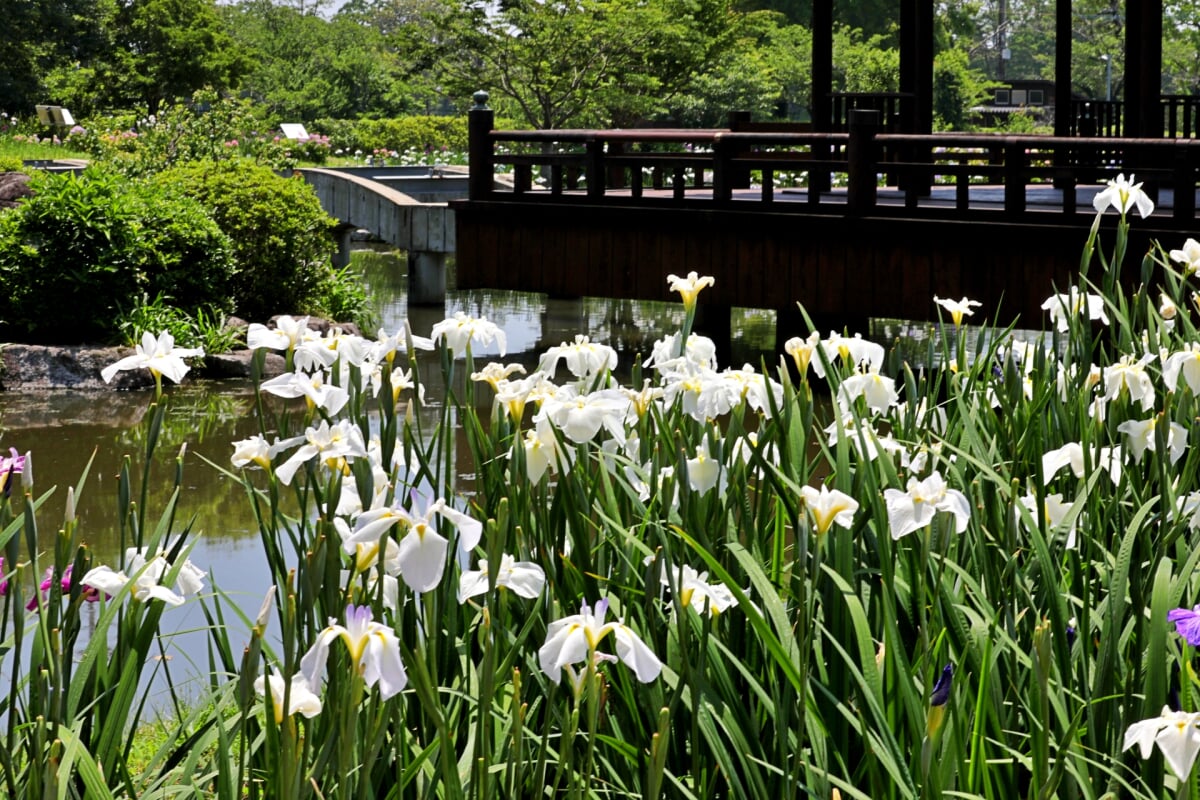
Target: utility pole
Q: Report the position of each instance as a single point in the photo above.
(1001, 38)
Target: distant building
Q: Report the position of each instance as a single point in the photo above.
(1034, 97)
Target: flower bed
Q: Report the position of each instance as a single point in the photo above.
(964, 579)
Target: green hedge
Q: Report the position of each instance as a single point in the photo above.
(399, 135)
(83, 250)
(282, 239)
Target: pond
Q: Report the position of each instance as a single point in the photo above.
(66, 430)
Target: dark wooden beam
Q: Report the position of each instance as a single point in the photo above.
(822, 85)
(916, 65)
(822, 65)
(1062, 67)
(1143, 69)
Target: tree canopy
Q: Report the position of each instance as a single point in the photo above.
(547, 63)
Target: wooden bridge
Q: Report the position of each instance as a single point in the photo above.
(1000, 219)
(404, 206)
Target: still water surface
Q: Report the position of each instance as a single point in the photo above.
(65, 429)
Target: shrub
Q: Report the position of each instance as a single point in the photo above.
(205, 329)
(398, 135)
(209, 127)
(344, 297)
(82, 248)
(282, 239)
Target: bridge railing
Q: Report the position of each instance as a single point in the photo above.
(946, 176)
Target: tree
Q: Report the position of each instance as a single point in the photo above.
(956, 88)
(167, 49)
(864, 65)
(308, 67)
(872, 17)
(586, 62)
(38, 37)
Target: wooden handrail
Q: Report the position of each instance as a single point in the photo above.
(711, 167)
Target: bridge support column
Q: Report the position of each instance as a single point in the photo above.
(341, 235)
(426, 278)
(715, 320)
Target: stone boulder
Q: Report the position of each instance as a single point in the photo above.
(13, 186)
(26, 367)
(38, 367)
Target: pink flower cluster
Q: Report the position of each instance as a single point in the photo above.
(90, 593)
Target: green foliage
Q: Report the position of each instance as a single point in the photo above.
(408, 133)
(743, 78)
(76, 705)
(343, 297)
(956, 88)
(209, 127)
(307, 67)
(789, 56)
(168, 49)
(584, 64)
(864, 65)
(11, 164)
(282, 239)
(39, 37)
(867, 542)
(203, 328)
(1020, 122)
(82, 247)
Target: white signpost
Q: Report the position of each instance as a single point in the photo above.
(294, 130)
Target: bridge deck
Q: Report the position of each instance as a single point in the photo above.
(1039, 198)
(1000, 219)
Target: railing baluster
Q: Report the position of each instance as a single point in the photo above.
(1184, 180)
(862, 157)
(594, 166)
(722, 171)
(962, 184)
(1014, 178)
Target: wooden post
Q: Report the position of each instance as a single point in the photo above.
(594, 167)
(341, 235)
(820, 104)
(615, 175)
(1062, 92)
(480, 158)
(724, 177)
(861, 161)
(1143, 69)
(1062, 68)
(739, 179)
(426, 278)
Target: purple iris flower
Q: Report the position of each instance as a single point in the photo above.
(941, 689)
(10, 466)
(1187, 623)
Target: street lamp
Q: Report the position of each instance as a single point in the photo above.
(1107, 77)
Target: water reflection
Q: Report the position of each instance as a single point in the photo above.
(65, 430)
(533, 322)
